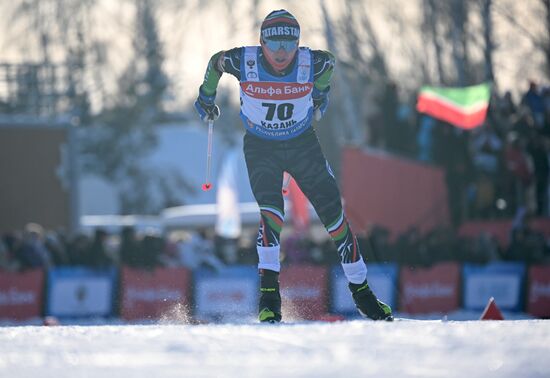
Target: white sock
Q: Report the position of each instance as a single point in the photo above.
(356, 272)
(268, 258)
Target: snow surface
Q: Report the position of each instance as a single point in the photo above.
(357, 348)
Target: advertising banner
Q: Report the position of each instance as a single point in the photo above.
(304, 291)
(538, 300)
(382, 280)
(501, 280)
(230, 293)
(153, 294)
(21, 294)
(430, 290)
(401, 193)
(81, 292)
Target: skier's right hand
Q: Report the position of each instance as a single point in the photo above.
(320, 102)
(206, 107)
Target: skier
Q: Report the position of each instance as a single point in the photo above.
(283, 88)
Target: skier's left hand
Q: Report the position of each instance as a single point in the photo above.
(320, 102)
(206, 107)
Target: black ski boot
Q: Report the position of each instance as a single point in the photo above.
(367, 303)
(269, 309)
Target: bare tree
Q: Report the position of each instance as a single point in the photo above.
(488, 38)
(546, 43)
(540, 41)
(458, 12)
(126, 131)
(430, 23)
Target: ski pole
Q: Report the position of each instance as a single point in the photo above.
(207, 185)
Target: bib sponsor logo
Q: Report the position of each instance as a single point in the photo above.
(303, 73)
(281, 133)
(276, 91)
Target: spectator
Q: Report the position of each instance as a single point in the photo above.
(519, 168)
(486, 148)
(97, 255)
(32, 252)
(546, 100)
(485, 249)
(7, 262)
(409, 248)
(198, 251)
(508, 108)
(58, 252)
(440, 245)
(169, 255)
(534, 101)
(538, 147)
(151, 250)
(406, 118)
(425, 139)
(246, 250)
(390, 105)
(78, 250)
(227, 249)
(129, 248)
(376, 244)
(527, 245)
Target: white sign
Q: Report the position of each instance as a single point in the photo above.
(504, 287)
(80, 296)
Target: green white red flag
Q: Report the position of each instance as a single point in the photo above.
(462, 107)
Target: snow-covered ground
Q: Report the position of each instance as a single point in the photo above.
(357, 348)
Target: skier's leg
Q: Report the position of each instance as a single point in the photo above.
(266, 177)
(315, 178)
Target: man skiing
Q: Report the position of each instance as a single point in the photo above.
(283, 88)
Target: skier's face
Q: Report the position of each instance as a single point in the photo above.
(279, 53)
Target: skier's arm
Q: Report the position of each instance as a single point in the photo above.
(222, 61)
(323, 65)
(213, 74)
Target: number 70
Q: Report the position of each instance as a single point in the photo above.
(284, 111)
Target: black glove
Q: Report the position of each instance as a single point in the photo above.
(320, 102)
(206, 107)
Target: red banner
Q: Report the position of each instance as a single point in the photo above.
(304, 290)
(538, 301)
(21, 295)
(300, 207)
(396, 193)
(154, 294)
(429, 290)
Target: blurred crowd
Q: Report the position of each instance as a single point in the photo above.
(492, 171)
(35, 247)
(499, 170)
(193, 249)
